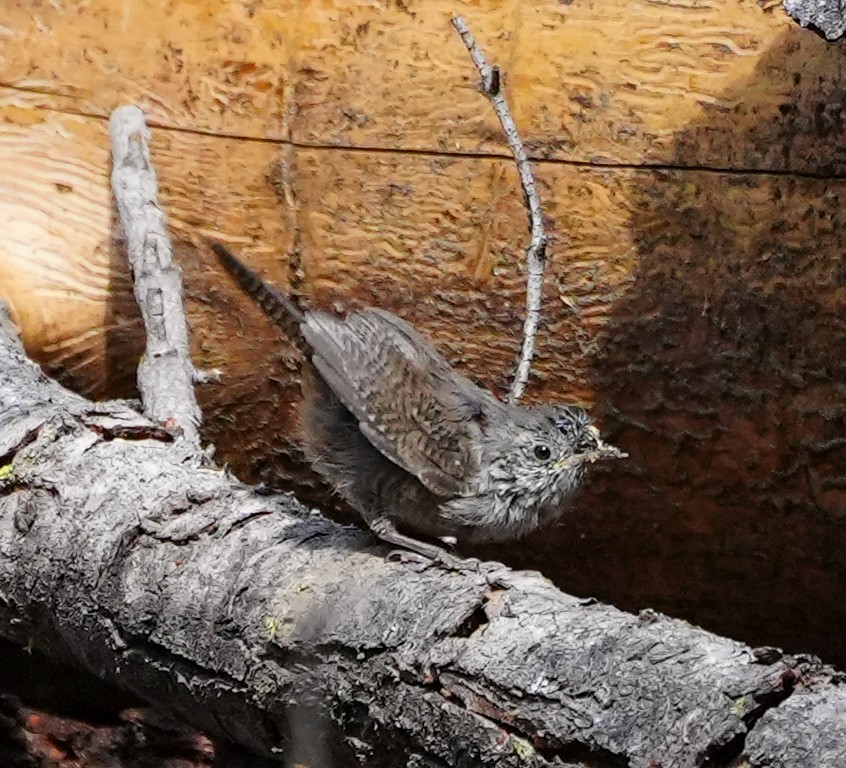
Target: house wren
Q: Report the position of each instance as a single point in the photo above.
(415, 447)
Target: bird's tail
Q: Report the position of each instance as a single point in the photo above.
(277, 307)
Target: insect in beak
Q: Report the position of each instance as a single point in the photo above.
(605, 451)
(599, 451)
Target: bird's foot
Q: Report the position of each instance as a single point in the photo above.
(420, 562)
(421, 555)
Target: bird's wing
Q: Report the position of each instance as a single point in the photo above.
(410, 404)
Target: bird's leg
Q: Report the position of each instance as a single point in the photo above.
(387, 531)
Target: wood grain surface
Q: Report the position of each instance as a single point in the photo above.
(690, 157)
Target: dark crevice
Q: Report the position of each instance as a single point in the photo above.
(246, 519)
(726, 754)
(28, 439)
(184, 538)
(583, 755)
(7, 488)
(476, 621)
(729, 754)
(479, 618)
(485, 155)
(128, 432)
(553, 750)
(556, 751)
(273, 730)
(60, 689)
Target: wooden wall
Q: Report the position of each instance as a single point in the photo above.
(691, 156)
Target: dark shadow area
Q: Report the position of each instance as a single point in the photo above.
(54, 714)
(102, 361)
(724, 376)
(13, 747)
(58, 688)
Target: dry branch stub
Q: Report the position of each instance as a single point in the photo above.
(165, 373)
(491, 87)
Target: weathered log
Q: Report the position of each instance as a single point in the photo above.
(122, 550)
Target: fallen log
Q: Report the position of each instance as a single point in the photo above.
(124, 550)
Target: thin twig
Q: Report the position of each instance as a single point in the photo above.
(536, 252)
(165, 374)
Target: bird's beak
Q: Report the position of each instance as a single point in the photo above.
(600, 451)
(605, 451)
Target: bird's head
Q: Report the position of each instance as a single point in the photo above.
(542, 452)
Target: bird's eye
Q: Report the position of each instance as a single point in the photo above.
(542, 452)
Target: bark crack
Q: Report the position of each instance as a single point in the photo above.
(526, 736)
(728, 754)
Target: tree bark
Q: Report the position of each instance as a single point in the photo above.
(827, 16)
(255, 619)
(165, 373)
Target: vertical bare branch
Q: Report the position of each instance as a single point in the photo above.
(536, 252)
(165, 374)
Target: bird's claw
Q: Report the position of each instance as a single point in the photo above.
(420, 562)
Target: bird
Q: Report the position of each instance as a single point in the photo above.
(421, 452)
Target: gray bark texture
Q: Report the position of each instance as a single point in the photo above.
(166, 374)
(829, 16)
(264, 624)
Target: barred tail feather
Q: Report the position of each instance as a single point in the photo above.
(277, 307)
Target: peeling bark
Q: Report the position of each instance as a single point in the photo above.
(828, 16)
(252, 617)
